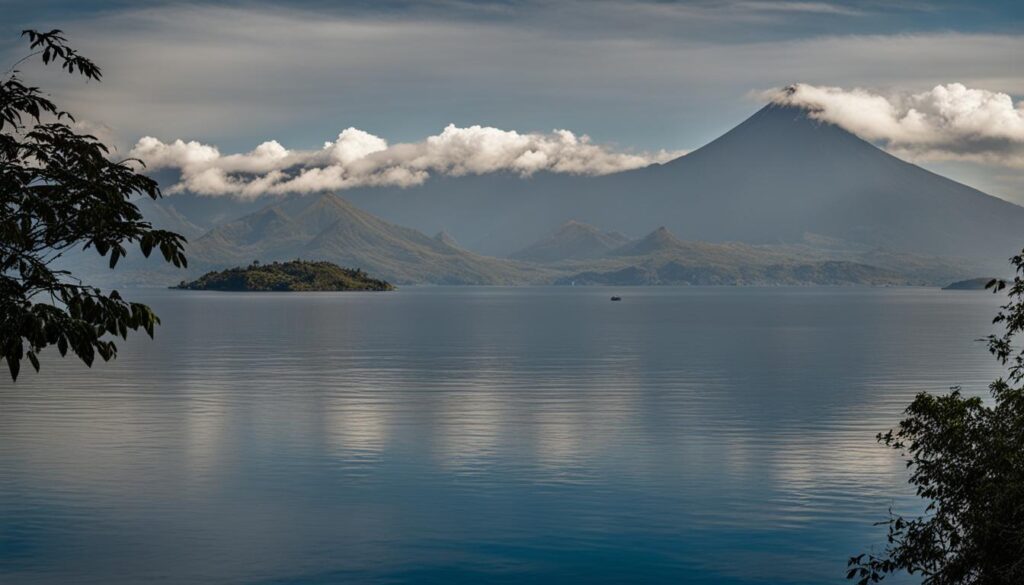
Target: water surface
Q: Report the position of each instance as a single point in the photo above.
(480, 435)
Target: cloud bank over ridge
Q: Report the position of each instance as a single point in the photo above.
(358, 159)
(947, 122)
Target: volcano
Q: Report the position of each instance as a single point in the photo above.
(779, 177)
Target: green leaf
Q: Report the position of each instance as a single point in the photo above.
(59, 190)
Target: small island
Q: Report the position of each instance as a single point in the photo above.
(293, 276)
(970, 284)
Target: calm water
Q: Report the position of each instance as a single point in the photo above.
(440, 435)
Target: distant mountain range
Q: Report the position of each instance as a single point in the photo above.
(661, 258)
(771, 180)
(164, 215)
(572, 240)
(327, 227)
(780, 199)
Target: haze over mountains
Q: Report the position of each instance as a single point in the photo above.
(326, 227)
(781, 198)
(572, 240)
(774, 178)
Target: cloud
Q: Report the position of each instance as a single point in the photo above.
(650, 74)
(358, 159)
(809, 7)
(947, 122)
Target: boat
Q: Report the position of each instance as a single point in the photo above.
(616, 298)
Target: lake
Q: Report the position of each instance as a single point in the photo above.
(480, 435)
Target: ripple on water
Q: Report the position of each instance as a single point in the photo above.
(479, 435)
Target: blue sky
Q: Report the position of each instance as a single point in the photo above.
(638, 76)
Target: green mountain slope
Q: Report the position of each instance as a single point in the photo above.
(572, 240)
(661, 258)
(675, 272)
(296, 275)
(329, 228)
(326, 227)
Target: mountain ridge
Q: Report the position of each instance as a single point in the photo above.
(327, 227)
(772, 178)
(779, 189)
(660, 240)
(573, 240)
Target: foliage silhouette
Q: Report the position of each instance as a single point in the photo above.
(966, 459)
(60, 190)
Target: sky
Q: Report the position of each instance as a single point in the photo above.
(389, 92)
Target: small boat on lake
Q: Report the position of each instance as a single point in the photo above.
(616, 298)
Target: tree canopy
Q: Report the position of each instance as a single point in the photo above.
(296, 275)
(59, 190)
(966, 458)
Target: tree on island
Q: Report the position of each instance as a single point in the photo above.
(966, 459)
(294, 276)
(60, 190)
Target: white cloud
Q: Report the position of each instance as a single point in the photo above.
(358, 159)
(947, 122)
(646, 73)
(669, 73)
(156, 154)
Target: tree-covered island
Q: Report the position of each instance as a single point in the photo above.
(296, 275)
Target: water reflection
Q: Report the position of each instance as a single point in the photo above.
(468, 435)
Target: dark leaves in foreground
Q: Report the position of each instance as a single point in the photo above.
(60, 190)
(966, 459)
